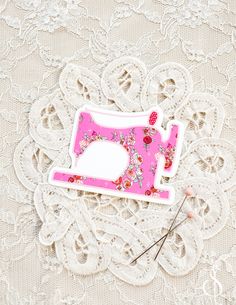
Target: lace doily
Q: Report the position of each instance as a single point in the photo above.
(88, 240)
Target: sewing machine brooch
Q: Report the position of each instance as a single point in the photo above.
(122, 154)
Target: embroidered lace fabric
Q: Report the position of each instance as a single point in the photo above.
(62, 246)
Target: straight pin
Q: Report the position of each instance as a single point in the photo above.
(188, 192)
(190, 215)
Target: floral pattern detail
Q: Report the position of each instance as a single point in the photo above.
(76, 178)
(134, 172)
(142, 152)
(148, 136)
(169, 153)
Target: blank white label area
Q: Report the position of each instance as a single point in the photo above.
(104, 160)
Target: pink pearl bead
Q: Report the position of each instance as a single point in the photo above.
(190, 215)
(188, 192)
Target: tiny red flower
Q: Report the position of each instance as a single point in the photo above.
(127, 184)
(140, 159)
(168, 163)
(71, 179)
(118, 181)
(148, 193)
(126, 147)
(153, 189)
(119, 187)
(147, 140)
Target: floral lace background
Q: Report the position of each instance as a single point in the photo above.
(67, 247)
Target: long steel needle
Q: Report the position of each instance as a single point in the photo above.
(188, 192)
(156, 242)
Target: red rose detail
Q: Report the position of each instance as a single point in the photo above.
(118, 181)
(126, 147)
(71, 179)
(168, 163)
(147, 140)
(119, 187)
(153, 189)
(152, 118)
(148, 193)
(140, 159)
(127, 184)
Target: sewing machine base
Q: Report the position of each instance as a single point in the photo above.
(60, 177)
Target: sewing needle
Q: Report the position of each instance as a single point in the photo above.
(188, 192)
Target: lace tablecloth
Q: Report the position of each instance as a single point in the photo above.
(60, 246)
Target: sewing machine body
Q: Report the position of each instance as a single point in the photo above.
(122, 154)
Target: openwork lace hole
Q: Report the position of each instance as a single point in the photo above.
(126, 214)
(177, 244)
(199, 206)
(127, 252)
(41, 161)
(125, 81)
(50, 119)
(50, 109)
(197, 121)
(83, 90)
(56, 210)
(165, 89)
(211, 164)
(80, 249)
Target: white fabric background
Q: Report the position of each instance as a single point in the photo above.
(37, 38)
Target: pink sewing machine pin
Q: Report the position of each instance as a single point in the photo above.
(122, 154)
